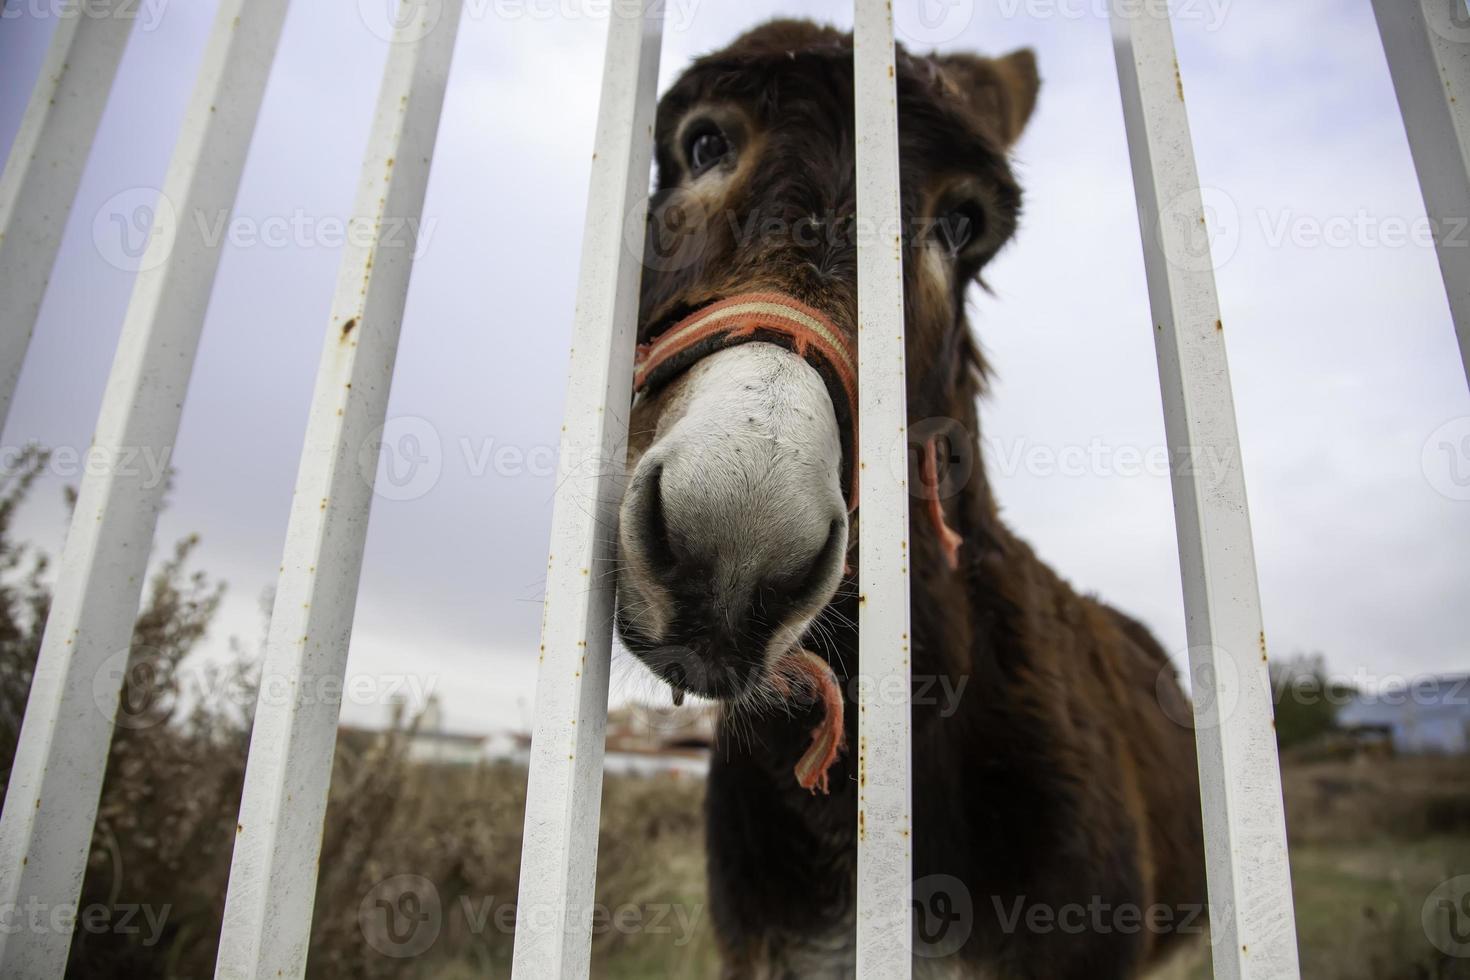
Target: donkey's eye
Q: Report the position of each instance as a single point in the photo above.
(959, 227)
(704, 147)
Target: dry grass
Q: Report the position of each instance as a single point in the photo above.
(460, 829)
(1370, 840)
(1369, 844)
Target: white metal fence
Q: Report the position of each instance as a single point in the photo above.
(54, 786)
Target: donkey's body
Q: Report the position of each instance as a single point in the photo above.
(1056, 783)
(1056, 812)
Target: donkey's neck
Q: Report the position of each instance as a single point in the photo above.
(803, 845)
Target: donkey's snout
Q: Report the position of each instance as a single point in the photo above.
(734, 528)
(781, 540)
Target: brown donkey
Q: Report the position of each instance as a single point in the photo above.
(1056, 806)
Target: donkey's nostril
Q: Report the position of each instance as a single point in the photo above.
(806, 580)
(655, 522)
(836, 535)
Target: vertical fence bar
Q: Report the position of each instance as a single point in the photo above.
(273, 872)
(884, 876)
(564, 793)
(1254, 933)
(51, 804)
(1428, 47)
(44, 168)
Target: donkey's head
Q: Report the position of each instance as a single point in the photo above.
(734, 531)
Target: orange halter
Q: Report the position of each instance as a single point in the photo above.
(773, 318)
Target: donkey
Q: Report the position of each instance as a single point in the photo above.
(1056, 813)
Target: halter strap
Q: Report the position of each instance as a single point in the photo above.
(773, 318)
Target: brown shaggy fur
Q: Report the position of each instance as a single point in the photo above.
(1058, 779)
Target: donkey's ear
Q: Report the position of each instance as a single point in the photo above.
(1000, 92)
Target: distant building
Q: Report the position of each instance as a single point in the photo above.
(1431, 716)
(446, 748)
(640, 740)
(644, 740)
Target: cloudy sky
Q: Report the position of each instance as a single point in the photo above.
(1353, 407)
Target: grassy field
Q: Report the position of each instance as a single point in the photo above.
(420, 864)
(1371, 840)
